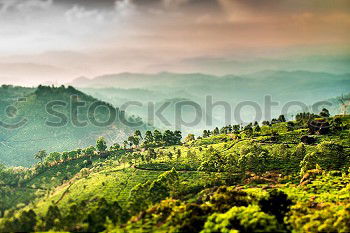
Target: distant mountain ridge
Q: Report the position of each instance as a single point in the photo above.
(283, 86)
(144, 81)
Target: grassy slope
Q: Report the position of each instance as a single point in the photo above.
(113, 180)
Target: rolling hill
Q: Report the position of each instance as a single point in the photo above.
(266, 180)
(80, 126)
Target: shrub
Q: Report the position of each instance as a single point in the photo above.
(329, 155)
(329, 218)
(277, 204)
(242, 219)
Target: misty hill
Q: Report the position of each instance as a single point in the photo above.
(26, 129)
(282, 86)
(222, 65)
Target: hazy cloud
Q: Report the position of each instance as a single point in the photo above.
(80, 13)
(134, 35)
(8, 6)
(125, 7)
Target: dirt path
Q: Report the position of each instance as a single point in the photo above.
(184, 171)
(64, 194)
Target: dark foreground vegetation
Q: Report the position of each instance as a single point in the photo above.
(276, 177)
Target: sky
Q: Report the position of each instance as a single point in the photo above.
(55, 41)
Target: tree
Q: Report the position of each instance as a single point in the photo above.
(257, 128)
(277, 203)
(79, 151)
(157, 137)
(224, 130)
(115, 146)
(236, 128)
(305, 118)
(206, 134)
(125, 144)
(248, 127)
(97, 218)
(168, 137)
(101, 144)
(53, 215)
(266, 123)
(90, 151)
(133, 140)
(41, 155)
(216, 131)
(248, 130)
(281, 118)
(53, 157)
(213, 161)
(177, 137)
(27, 221)
(190, 138)
(229, 128)
(274, 121)
(65, 156)
(325, 113)
(149, 137)
(138, 134)
(73, 155)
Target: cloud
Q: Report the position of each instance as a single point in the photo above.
(128, 35)
(121, 8)
(80, 13)
(125, 7)
(174, 3)
(24, 5)
(287, 6)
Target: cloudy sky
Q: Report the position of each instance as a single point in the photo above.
(44, 41)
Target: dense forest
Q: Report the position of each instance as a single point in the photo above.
(278, 176)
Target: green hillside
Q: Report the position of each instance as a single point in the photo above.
(276, 177)
(51, 122)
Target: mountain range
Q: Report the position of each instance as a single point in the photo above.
(167, 88)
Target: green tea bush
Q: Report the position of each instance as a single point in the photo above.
(328, 155)
(328, 218)
(242, 219)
